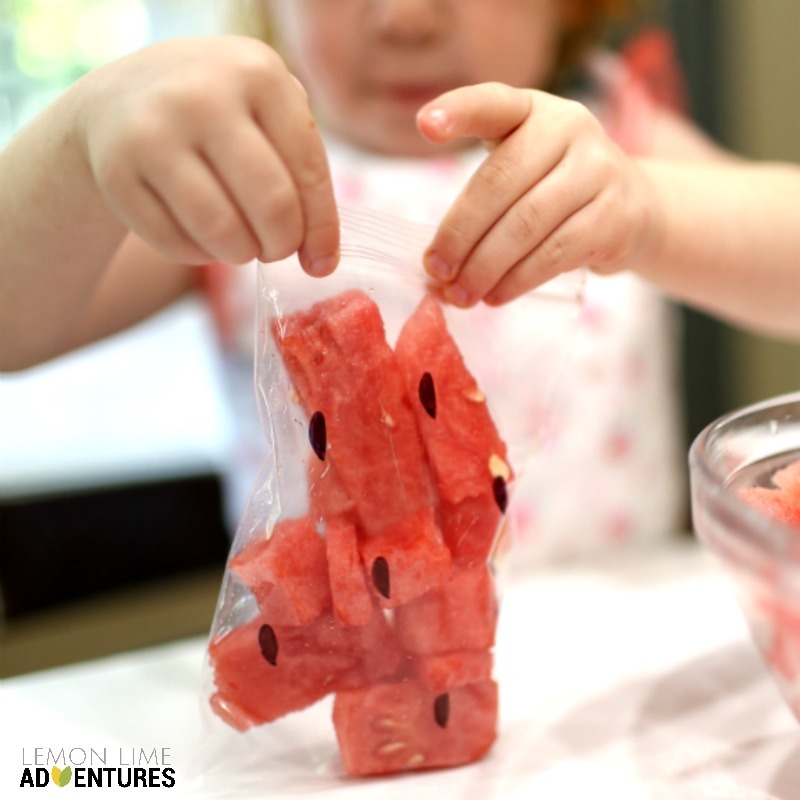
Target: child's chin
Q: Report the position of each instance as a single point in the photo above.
(403, 142)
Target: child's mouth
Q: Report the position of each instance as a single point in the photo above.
(413, 95)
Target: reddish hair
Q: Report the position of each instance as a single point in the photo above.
(586, 23)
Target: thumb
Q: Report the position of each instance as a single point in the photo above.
(488, 111)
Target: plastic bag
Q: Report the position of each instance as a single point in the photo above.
(363, 572)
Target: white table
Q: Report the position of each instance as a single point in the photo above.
(630, 678)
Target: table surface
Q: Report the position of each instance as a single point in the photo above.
(631, 677)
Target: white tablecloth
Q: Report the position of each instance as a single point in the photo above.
(633, 677)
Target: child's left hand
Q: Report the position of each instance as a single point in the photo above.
(555, 193)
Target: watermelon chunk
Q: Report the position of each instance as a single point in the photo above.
(327, 498)
(346, 374)
(396, 727)
(776, 503)
(253, 688)
(788, 479)
(412, 564)
(459, 615)
(262, 672)
(470, 528)
(353, 602)
(468, 458)
(441, 673)
(287, 573)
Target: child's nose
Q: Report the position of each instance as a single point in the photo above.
(409, 20)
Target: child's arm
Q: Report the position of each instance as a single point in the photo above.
(727, 239)
(556, 193)
(187, 152)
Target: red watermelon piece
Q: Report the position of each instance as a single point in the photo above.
(300, 668)
(441, 673)
(348, 381)
(468, 458)
(394, 727)
(403, 566)
(788, 480)
(353, 603)
(775, 503)
(470, 528)
(262, 671)
(287, 573)
(326, 495)
(459, 615)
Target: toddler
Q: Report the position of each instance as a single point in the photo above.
(196, 151)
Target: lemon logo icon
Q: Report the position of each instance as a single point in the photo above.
(61, 777)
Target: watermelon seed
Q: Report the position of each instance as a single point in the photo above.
(387, 724)
(498, 467)
(317, 434)
(391, 747)
(441, 709)
(427, 394)
(475, 395)
(500, 493)
(268, 643)
(380, 576)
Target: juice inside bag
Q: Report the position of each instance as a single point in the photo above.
(364, 570)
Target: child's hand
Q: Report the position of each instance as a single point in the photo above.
(207, 150)
(554, 194)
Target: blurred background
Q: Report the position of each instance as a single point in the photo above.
(112, 528)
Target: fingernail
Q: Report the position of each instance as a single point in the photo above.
(439, 119)
(437, 266)
(458, 295)
(324, 265)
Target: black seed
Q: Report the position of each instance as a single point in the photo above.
(500, 493)
(317, 434)
(268, 643)
(380, 576)
(427, 394)
(441, 710)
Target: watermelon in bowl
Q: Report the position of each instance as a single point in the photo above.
(745, 476)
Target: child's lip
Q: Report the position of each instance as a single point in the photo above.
(414, 94)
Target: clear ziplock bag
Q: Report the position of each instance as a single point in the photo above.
(361, 585)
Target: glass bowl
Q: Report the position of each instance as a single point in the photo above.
(762, 555)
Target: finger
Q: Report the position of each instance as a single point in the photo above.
(521, 230)
(260, 183)
(202, 206)
(518, 163)
(520, 160)
(562, 251)
(487, 111)
(150, 218)
(301, 148)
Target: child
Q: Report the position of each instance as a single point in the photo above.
(203, 150)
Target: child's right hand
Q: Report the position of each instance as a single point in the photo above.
(207, 150)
